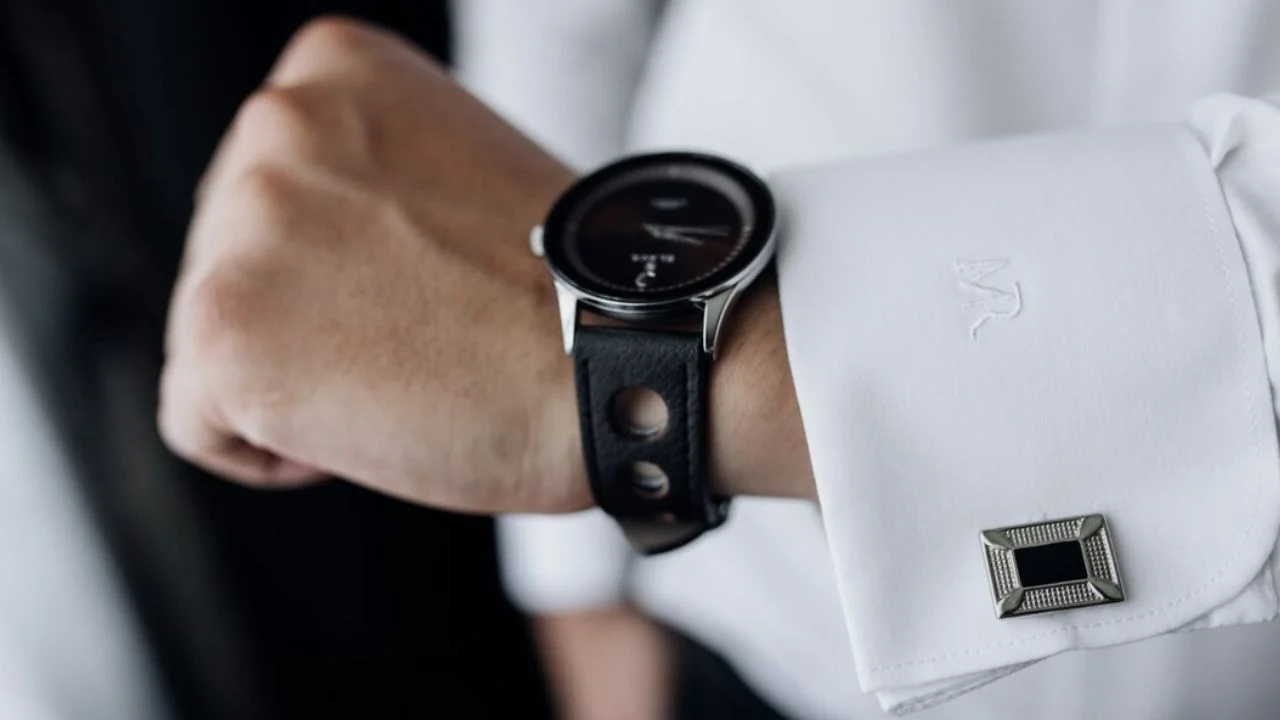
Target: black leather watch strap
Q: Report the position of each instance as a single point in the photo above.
(655, 515)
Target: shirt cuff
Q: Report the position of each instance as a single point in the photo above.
(555, 564)
(1015, 332)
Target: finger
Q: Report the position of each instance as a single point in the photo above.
(274, 126)
(239, 461)
(294, 115)
(280, 113)
(211, 171)
(192, 428)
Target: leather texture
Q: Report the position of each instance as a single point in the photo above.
(672, 364)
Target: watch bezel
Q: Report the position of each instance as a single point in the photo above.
(741, 270)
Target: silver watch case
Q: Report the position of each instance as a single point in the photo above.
(713, 304)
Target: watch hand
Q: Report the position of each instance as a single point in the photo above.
(685, 233)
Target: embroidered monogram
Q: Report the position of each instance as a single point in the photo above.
(994, 302)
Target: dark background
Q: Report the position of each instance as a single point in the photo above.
(329, 602)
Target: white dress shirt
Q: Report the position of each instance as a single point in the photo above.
(1125, 367)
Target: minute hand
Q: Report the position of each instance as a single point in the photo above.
(690, 234)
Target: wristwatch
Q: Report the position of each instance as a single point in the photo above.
(654, 250)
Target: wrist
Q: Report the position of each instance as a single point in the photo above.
(557, 434)
(753, 441)
(554, 436)
(757, 442)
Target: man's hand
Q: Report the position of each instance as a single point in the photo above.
(357, 297)
(358, 300)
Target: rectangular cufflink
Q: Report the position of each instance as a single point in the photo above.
(1052, 565)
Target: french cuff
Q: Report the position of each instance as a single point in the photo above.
(1013, 333)
(555, 564)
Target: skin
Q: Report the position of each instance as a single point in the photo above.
(357, 300)
(607, 663)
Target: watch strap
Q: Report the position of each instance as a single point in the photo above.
(655, 516)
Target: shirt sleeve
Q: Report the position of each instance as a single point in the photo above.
(1030, 329)
(555, 564)
(563, 71)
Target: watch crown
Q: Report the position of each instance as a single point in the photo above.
(535, 241)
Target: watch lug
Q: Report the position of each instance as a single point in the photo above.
(535, 241)
(714, 311)
(568, 304)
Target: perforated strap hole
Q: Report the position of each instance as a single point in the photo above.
(638, 413)
(647, 480)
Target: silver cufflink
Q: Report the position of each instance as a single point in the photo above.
(1053, 565)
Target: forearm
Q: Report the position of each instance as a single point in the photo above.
(607, 663)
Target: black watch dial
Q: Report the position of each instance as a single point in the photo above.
(659, 227)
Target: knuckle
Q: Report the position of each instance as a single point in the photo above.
(278, 115)
(262, 196)
(259, 417)
(231, 359)
(221, 315)
(332, 33)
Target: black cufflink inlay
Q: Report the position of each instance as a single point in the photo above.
(1051, 565)
(1048, 564)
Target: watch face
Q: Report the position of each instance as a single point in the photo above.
(658, 228)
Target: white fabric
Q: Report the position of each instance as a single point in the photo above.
(23, 699)
(597, 577)
(1127, 380)
(69, 645)
(1163, 429)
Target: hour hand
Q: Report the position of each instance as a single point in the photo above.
(689, 234)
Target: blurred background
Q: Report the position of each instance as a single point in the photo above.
(128, 579)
